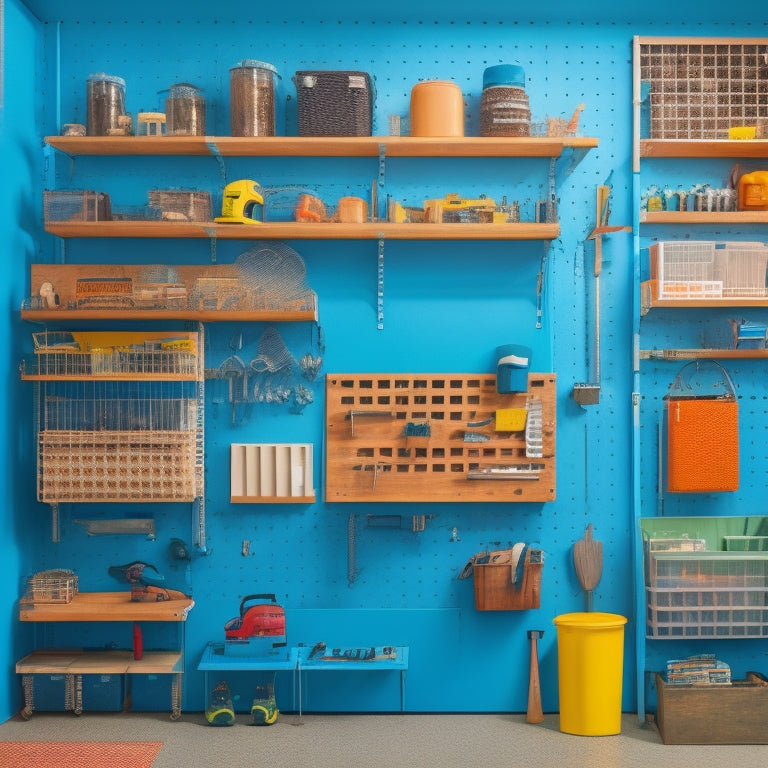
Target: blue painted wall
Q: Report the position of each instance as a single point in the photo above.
(447, 306)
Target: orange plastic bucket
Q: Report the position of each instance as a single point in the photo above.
(437, 109)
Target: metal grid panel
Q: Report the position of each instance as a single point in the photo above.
(700, 90)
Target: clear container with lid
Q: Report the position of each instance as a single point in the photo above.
(105, 103)
(185, 110)
(252, 87)
(504, 106)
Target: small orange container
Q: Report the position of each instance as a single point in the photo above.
(352, 210)
(437, 109)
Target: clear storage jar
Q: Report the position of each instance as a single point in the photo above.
(105, 103)
(185, 111)
(252, 98)
(504, 106)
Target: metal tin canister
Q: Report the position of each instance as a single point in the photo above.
(252, 98)
(105, 103)
(504, 106)
(437, 109)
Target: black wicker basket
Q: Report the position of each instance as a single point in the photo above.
(334, 103)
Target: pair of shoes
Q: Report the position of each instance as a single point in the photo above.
(264, 711)
(220, 710)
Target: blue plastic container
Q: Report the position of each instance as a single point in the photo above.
(513, 362)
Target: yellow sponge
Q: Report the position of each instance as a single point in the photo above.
(511, 419)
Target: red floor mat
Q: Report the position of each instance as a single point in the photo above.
(78, 754)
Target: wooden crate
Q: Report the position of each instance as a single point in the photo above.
(494, 590)
(714, 714)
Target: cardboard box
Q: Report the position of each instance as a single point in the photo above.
(714, 714)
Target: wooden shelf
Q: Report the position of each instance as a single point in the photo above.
(272, 499)
(673, 148)
(649, 300)
(708, 354)
(325, 146)
(106, 606)
(299, 231)
(704, 217)
(100, 662)
(213, 316)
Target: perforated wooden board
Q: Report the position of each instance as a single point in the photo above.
(422, 437)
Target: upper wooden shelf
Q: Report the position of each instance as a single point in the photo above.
(703, 148)
(708, 354)
(649, 299)
(324, 146)
(704, 217)
(106, 606)
(289, 230)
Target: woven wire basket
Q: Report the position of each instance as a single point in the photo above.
(334, 103)
(55, 586)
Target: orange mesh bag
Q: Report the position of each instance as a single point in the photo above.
(702, 432)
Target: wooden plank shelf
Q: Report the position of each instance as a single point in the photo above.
(113, 662)
(708, 354)
(649, 300)
(320, 146)
(726, 148)
(106, 606)
(704, 217)
(288, 230)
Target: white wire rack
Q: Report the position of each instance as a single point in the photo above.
(119, 418)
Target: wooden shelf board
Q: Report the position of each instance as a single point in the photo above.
(299, 231)
(649, 292)
(106, 606)
(322, 146)
(704, 217)
(272, 499)
(113, 662)
(709, 354)
(109, 377)
(678, 148)
(212, 316)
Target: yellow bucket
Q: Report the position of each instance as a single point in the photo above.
(590, 654)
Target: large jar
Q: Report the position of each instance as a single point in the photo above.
(504, 107)
(252, 98)
(105, 103)
(437, 109)
(185, 111)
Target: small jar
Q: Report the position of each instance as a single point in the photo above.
(185, 111)
(252, 98)
(504, 107)
(105, 104)
(437, 109)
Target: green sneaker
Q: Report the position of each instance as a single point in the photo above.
(264, 711)
(220, 710)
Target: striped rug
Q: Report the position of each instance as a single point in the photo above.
(78, 754)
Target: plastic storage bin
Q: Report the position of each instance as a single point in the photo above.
(590, 666)
(437, 109)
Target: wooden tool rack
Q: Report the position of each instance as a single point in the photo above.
(433, 437)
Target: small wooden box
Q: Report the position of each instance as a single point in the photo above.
(714, 714)
(494, 590)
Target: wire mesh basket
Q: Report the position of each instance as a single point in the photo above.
(181, 204)
(76, 205)
(334, 103)
(54, 586)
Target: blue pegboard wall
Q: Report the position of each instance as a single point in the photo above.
(447, 306)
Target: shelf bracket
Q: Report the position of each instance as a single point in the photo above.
(214, 150)
(211, 233)
(380, 284)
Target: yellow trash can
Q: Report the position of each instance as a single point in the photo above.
(590, 654)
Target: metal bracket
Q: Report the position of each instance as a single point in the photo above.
(380, 284)
(214, 150)
(211, 232)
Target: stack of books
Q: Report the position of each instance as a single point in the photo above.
(703, 669)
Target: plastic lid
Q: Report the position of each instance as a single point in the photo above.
(255, 64)
(101, 77)
(504, 74)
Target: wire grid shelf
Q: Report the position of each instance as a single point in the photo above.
(698, 269)
(700, 90)
(699, 612)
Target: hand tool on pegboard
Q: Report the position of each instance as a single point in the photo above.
(588, 560)
(535, 713)
(588, 393)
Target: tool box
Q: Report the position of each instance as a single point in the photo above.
(259, 630)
